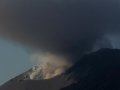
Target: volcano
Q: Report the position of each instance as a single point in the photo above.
(99, 70)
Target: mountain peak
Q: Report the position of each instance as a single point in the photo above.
(99, 70)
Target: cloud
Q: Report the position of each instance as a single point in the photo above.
(48, 66)
(64, 27)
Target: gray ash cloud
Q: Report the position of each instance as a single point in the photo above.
(59, 26)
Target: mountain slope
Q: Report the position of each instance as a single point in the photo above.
(96, 71)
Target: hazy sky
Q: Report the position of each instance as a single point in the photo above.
(68, 28)
(14, 60)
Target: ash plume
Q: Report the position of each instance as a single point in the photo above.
(68, 28)
(48, 66)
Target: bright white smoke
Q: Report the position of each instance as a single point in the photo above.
(48, 66)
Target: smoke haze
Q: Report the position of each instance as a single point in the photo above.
(48, 66)
(63, 27)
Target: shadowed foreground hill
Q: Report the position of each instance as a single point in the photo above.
(96, 71)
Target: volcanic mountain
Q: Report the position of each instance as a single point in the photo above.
(99, 70)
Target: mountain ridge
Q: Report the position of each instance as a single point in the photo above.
(99, 70)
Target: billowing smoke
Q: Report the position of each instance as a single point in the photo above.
(48, 66)
(64, 27)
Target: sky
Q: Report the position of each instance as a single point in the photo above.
(14, 60)
(64, 28)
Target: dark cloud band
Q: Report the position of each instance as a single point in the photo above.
(60, 26)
